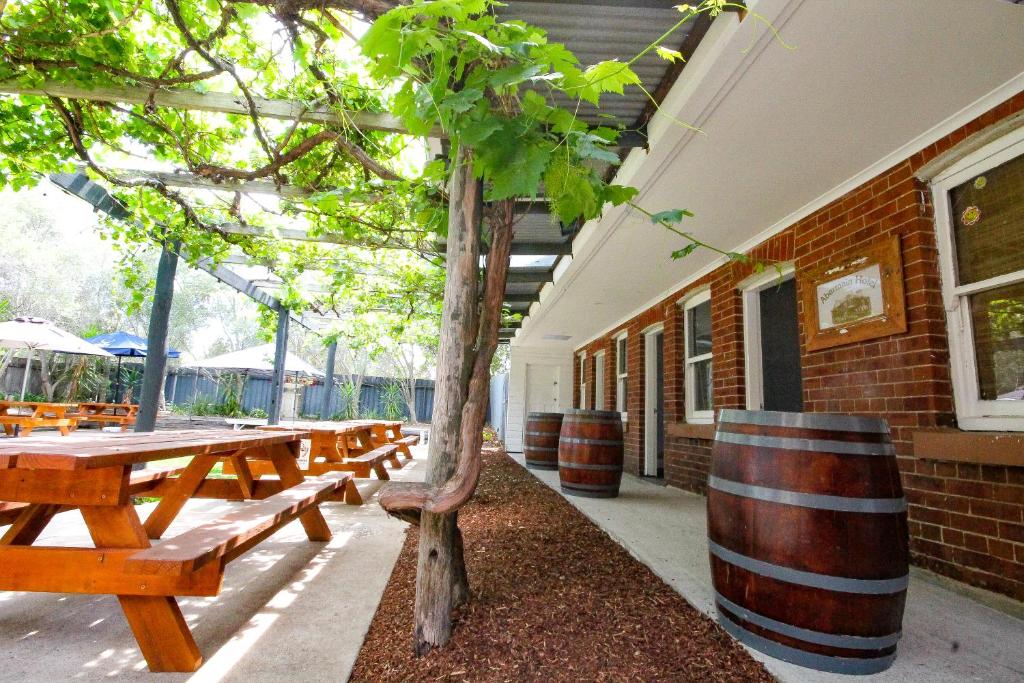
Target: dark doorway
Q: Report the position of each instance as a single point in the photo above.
(659, 372)
(780, 348)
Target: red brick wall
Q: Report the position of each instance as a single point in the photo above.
(966, 521)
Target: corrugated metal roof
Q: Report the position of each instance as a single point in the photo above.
(599, 30)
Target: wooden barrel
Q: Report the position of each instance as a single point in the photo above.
(807, 528)
(540, 448)
(590, 453)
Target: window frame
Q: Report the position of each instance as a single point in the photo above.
(973, 412)
(599, 377)
(691, 414)
(621, 378)
(583, 380)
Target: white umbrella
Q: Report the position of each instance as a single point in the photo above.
(257, 358)
(42, 335)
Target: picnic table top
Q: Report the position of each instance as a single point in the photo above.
(387, 423)
(338, 428)
(82, 452)
(32, 404)
(96, 404)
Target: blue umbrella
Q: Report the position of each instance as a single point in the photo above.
(125, 344)
(122, 344)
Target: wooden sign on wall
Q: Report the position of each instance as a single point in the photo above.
(856, 298)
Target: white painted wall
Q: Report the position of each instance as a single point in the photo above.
(523, 358)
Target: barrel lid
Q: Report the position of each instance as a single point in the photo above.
(773, 418)
(529, 415)
(607, 414)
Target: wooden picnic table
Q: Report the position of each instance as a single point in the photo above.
(93, 473)
(41, 414)
(343, 446)
(120, 414)
(390, 431)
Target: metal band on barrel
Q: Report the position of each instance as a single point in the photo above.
(769, 418)
(590, 442)
(543, 449)
(809, 500)
(840, 584)
(811, 660)
(543, 433)
(807, 635)
(797, 444)
(587, 466)
(588, 487)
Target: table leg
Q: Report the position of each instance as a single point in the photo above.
(326, 445)
(29, 524)
(244, 475)
(157, 622)
(172, 502)
(284, 459)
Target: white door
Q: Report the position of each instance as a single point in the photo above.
(541, 389)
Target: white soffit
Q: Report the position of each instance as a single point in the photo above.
(781, 129)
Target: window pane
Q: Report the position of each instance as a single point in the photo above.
(620, 356)
(702, 385)
(988, 223)
(699, 329)
(998, 321)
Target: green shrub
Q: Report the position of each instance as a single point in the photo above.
(258, 413)
(347, 408)
(392, 401)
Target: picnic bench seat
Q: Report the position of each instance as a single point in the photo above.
(139, 484)
(227, 538)
(405, 443)
(96, 412)
(374, 460)
(27, 423)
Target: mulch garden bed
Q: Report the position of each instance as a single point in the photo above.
(554, 599)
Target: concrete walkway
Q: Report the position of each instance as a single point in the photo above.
(946, 636)
(289, 609)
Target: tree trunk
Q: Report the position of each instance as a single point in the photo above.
(441, 582)
(6, 362)
(44, 376)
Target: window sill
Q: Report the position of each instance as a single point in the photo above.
(690, 430)
(982, 448)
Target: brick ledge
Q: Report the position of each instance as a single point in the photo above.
(687, 430)
(983, 448)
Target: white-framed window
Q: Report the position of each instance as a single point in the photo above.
(979, 218)
(583, 380)
(599, 381)
(698, 396)
(621, 374)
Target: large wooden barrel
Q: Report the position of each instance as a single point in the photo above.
(590, 453)
(807, 528)
(540, 447)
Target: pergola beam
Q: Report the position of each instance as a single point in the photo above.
(520, 298)
(224, 103)
(79, 185)
(227, 103)
(529, 275)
